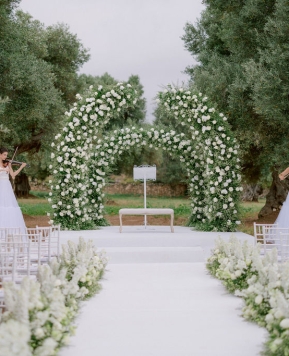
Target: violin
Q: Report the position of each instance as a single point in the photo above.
(12, 160)
(14, 163)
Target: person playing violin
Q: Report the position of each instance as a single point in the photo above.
(10, 213)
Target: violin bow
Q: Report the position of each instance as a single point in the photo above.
(14, 153)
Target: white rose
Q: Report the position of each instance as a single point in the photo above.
(258, 299)
(238, 273)
(285, 324)
(269, 318)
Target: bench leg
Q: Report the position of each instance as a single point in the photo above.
(172, 223)
(120, 223)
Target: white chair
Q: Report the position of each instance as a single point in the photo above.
(7, 266)
(44, 234)
(35, 246)
(284, 245)
(19, 257)
(50, 242)
(262, 232)
(269, 236)
(7, 272)
(8, 231)
(55, 241)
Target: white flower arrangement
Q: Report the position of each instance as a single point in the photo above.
(14, 339)
(208, 152)
(39, 314)
(262, 281)
(230, 261)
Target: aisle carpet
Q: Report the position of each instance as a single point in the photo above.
(157, 299)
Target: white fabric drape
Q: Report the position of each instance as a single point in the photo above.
(10, 213)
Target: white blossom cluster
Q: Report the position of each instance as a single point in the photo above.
(41, 312)
(266, 292)
(207, 150)
(230, 261)
(212, 162)
(75, 201)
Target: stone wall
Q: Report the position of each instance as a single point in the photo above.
(153, 189)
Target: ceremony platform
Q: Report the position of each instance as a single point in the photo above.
(158, 299)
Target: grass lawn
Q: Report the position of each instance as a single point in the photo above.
(115, 202)
(38, 205)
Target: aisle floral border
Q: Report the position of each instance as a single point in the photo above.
(262, 282)
(83, 154)
(39, 314)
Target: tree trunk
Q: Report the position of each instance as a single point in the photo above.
(251, 192)
(276, 196)
(21, 185)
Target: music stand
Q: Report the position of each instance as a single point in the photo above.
(145, 173)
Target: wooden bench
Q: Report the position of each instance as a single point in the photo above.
(147, 211)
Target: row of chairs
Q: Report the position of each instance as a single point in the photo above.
(22, 254)
(271, 236)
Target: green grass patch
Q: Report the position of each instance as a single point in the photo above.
(115, 202)
(34, 206)
(249, 209)
(39, 194)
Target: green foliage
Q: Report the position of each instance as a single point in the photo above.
(66, 54)
(38, 69)
(242, 50)
(170, 169)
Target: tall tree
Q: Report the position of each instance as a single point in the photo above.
(242, 50)
(33, 77)
(38, 74)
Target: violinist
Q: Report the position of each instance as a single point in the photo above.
(10, 213)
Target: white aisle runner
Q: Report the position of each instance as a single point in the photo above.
(161, 309)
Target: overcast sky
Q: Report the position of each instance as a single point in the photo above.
(127, 36)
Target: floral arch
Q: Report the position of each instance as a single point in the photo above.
(83, 154)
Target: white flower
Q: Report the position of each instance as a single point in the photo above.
(285, 324)
(238, 273)
(258, 299)
(47, 348)
(14, 338)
